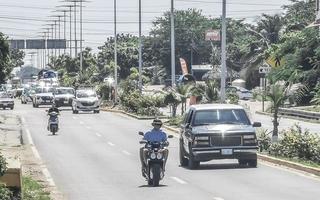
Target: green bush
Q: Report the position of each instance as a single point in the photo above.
(104, 91)
(296, 143)
(233, 97)
(5, 193)
(175, 121)
(32, 190)
(3, 165)
(264, 139)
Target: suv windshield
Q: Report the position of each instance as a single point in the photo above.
(86, 94)
(221, 116)
(44, 90)
(4, 95)
(64, 91)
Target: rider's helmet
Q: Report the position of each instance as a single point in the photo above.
(157, 122)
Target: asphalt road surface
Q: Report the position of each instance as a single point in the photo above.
(95, 156)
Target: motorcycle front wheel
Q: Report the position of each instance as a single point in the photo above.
(155, 170)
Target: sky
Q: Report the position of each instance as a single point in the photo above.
(21, 19)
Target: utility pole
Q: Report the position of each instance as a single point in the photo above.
(115, 53)
(173, 64)
(140, 49)
(81, 55)
(70, 26)
(223, 54)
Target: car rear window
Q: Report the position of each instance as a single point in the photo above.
(220, 116)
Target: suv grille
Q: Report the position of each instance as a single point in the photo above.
(226, 141)
(87, 103)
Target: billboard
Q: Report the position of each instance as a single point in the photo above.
(36, 44)
(56, 44)
(17, 44)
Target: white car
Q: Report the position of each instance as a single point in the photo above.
(42, 96)
(86, 100)
(243, 93)
(6, 101)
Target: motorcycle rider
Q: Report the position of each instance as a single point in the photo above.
(52, 109)
(154, 135)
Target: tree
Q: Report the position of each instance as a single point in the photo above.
(173, 99)
(127, 54)
(4, 57)
(183, 91)
(211, 91)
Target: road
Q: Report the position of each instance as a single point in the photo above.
(95, 156)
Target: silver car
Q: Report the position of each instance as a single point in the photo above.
(6, 101)
(86, 100)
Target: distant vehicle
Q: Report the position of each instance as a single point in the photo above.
(26, 95)
(6, 101)
(217, 131)
(42, 96)
(243, 93)
(63, 96)
(86, 100)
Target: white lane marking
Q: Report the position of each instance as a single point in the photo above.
(88, 127)
(23, 120)
(111, 144)
(125, 152)
(178, 180)
(29, 136)
(74, 117)
(98, 134)
(218, 198)
(47, 174)
(81, 122)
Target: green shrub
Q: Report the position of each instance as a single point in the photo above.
(3, 165)
(175, 121)
(264, 139)
(104, 91)
(32, 190)
(5, 193)
(233, 97)
(149, 111)
(296, 143)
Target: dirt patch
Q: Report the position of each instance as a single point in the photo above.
(14, 147)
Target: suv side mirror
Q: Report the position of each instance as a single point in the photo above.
(141, 133)
(256, 124)
(170, 136)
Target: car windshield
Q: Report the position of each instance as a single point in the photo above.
(86, 94)
(64, 91)
(4, 95)
(44, 90)
(221, 116)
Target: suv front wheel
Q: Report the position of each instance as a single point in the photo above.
(182, 154)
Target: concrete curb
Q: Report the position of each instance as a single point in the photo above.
(132, 115)
(297, 166)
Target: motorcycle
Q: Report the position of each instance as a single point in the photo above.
(53, 123)
(155, 160)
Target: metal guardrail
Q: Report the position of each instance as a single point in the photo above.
(300, 113)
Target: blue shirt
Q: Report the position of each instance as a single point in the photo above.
(155, 136)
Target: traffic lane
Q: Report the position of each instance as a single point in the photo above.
(84, 167)
(262, 182)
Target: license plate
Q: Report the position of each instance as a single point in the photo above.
(226, 152)
(66, 101)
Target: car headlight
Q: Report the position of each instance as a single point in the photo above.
(159, 156)
(153, 155)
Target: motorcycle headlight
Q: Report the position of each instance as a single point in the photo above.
(159, 156)
(153, 155)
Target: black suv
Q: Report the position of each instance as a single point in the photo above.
(217, 131)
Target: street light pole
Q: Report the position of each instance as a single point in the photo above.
(173, 67)
(223, 53)
(115, 53)
(81, 56)
(75, 30)
(140, 49)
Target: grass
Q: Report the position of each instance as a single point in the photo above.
(32, 190)
(174, 121)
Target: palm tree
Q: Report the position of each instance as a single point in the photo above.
(278, 94)
(183, 91)
(173, 99)
(316, 95)
(198, 91)
(211, 91)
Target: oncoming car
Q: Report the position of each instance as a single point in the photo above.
(43, 96)
(217, 131)
(63, 96)
(86, 100)
(6, 101)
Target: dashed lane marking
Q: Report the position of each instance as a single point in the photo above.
(81, 122)
(111, 144)
(88, 127)
(218, 198)
(178, 180)
(125, 152)
(98, 134)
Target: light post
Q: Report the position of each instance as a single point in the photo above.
(115, 53)
(173, 64)
(223, 53)
(140, 49)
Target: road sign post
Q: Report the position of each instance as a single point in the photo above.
(264, 70)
